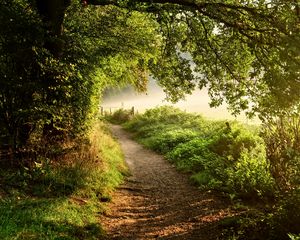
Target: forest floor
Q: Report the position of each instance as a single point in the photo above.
(158, 202)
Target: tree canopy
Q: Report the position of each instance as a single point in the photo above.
(57, 56)
(245, 52)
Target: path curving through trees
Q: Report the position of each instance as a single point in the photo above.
(158, 202)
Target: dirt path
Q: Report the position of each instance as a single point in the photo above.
(157, 202)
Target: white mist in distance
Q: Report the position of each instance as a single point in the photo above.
(198, 102)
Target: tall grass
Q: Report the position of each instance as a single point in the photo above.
(62, 198)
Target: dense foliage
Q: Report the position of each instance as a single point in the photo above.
(120, 116)
(56, 57)
(282, 137)
(245, 162)
(220, 155)
(45, 97)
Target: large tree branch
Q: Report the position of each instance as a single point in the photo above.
(218, 11)
(184, 3)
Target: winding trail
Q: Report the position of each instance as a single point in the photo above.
(157, 202)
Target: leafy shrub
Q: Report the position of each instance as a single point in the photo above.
(233, 160)
(249, 176)
(192, 155)
(221, 155)
(244, 168)
(166, 141)
(120, 116)
(165, 116)
(287, 216)
(202, 178)
(149, 130)
(282, 138)
(279, 222)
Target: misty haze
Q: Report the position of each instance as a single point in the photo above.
(198, 102)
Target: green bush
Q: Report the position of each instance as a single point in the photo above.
(163, 116)
(221, 155)
(277, 222)
(249, 176)
(244, 169)
(192, 156)
(282, 138)
(120, 116)
(149, 130)
(233, 160)
(164, 142)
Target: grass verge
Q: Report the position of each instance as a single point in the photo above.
(62, 198)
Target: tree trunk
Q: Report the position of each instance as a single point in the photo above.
(52, 13)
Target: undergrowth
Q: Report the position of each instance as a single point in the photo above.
(226, 156)
(62, 198)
